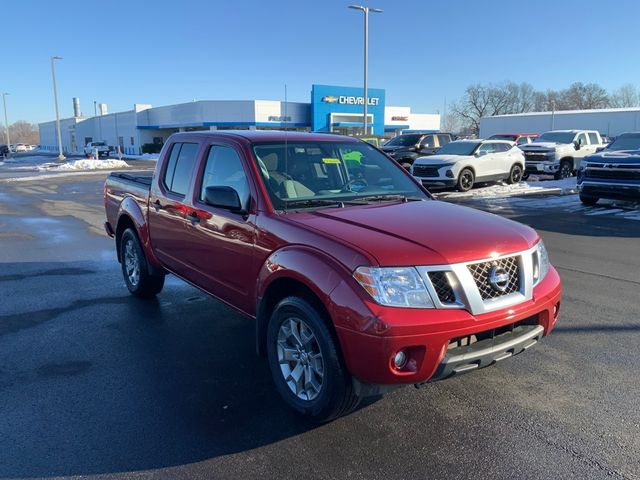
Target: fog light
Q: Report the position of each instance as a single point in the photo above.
(400, 360)
(449, 174)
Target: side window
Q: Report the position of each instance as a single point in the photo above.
(593, 138)
(487, 147)
(523, 140)
(180, 167)
(224, 169)
(582, 138)
(444, 139)
(428, 141)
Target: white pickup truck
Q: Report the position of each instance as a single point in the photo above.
(101, 147)
(559, 152)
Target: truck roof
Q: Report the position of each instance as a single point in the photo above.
(573, 131)
(271, 135)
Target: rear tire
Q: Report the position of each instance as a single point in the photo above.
(525, 176)
(304, 361)
(588, 200)
(466, 179)
(135, 269)
(515, 175)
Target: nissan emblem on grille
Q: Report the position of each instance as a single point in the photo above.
(498, 278)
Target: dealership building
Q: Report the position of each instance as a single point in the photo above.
(334, 109)
(609, 121)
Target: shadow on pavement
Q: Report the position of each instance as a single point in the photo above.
(96, 381)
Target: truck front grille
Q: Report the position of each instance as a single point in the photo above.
(442, 287)
(536, 157)
(613, 173)
(425, 171)
(481, 273)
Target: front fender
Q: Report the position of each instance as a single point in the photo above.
(318, 272)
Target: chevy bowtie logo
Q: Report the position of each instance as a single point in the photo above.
(329, 99)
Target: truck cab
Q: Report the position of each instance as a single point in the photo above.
(559, 152)
(405, 148)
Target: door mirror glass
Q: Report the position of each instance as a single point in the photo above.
(223, 197)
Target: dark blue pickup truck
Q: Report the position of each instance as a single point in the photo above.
(613, 172)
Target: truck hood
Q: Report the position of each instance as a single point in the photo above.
(533, 147)
(420, 232)
(620, 156)
(396, 148)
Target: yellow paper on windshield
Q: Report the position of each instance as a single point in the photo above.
(335, 161)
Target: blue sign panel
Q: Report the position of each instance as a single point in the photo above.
(333, 107)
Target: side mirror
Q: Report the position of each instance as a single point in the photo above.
(480, 153)
(223, 197)
(577, 144)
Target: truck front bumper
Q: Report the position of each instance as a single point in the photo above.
(445, 343)
(541, 167)
(617, 190)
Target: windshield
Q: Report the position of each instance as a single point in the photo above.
(627, 141)
(404, 140)
(511, 138)
(458, 148)
(329, 171)
(98, 144)
(556, 137)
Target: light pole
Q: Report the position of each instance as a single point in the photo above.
(553, 114)
(61, 157)
(6, 122)
(366, 11)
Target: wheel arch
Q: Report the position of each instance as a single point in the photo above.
(296, 271)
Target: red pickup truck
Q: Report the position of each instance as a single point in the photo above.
(356, 278)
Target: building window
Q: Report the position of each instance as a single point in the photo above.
(88, 140)
(121, 142)
(132, 142)
(157, 141)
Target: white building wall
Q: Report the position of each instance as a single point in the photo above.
(424, 121)
(49, 137)
(274, 112)
(107, 128)
(610, 121)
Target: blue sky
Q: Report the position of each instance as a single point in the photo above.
(160, 52)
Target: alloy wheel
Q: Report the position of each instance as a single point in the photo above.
(300, 358)
(132, 263)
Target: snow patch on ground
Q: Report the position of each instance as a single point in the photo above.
(144, 156)
(84, 164)
(532, 187)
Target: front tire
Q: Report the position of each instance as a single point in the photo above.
(304, 361)
(565, 171)
(515, 175)
(588, 200)
(135, 269)
(465, 180)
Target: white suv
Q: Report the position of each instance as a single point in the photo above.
(462, 163)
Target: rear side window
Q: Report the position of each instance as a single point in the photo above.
(593, 138)
(428, 141)
(224, 169)
(180, 167)
(444, 139)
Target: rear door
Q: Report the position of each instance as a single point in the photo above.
(169, 205)
(488, 163)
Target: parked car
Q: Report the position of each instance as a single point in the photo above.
(463, 163)
(559, 152)
(405, 148)
(21, 147)
(612, 173)
(519, 138)
(4, 150)
(356, 279)
(101, 147)
(377, 141)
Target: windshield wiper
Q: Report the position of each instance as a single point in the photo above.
(389, 198)
(313, 202)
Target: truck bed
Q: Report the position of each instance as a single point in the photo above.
(142, 178)
(120, 185)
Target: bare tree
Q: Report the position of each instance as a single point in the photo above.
(22, 132)
(626, 96)
(580, 96)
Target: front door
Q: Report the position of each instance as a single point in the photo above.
(220, 243)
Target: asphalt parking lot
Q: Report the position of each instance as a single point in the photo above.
(96, 383)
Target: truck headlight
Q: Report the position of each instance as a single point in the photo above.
(540, 263)
(394, 286)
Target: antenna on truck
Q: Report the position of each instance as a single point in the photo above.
(286, 149)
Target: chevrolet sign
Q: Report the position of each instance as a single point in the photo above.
(351, 100)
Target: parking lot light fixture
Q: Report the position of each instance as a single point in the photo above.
(61, 157)
(6, 122)
(366, 11)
